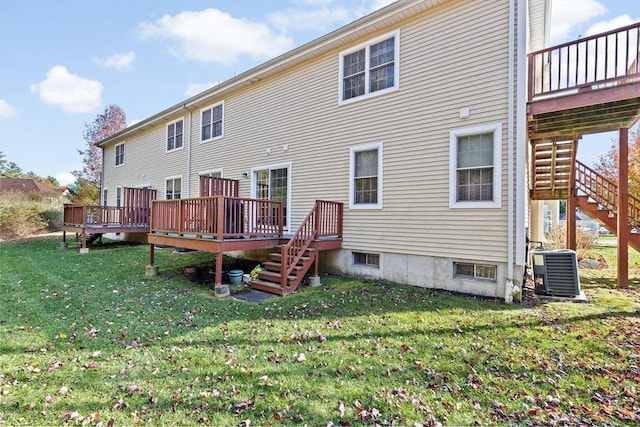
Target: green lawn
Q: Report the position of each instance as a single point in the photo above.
(89, 340)
(608, 275)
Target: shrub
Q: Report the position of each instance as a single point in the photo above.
(23, 215)
(585, 241)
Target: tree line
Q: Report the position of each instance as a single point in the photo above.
(86, 188)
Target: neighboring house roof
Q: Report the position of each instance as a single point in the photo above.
(26, 186)
(364, 26)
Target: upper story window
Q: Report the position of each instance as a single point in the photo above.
(120, 154)
(475, 173)
(173, 188)
(365, 184)
(174, 135)
(211, 123)
(370, 69)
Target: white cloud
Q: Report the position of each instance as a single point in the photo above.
(196, 88)
(214, 36)
(6, 110)
(118, 61)
(320, 17)
(604, 26)
(566, 15)
(70, 92)
(65, 178)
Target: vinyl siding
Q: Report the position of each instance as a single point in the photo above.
(452, 56)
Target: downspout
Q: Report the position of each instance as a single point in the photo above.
(509, 285)
(184, 106)
(102, 201)
(521, 136)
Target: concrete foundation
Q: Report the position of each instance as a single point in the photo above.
(314, 281)
(152, 270)
(84, 250)
(222, 291)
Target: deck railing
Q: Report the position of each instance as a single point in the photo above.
(604, 192)
(105, 216)
(324, 220)
(601, 60)
(218, 217)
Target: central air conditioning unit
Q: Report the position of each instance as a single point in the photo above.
(556, 272)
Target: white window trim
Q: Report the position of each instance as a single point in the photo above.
(496, 129)
(166, 136)
(121, 188)
(200, 126)
(396, 68)
(369, 266)
(284, 165)
(115, 155)
(352, 158)
(166, 178)
(209, 172)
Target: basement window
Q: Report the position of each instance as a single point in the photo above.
(366, 259)
(475, 271)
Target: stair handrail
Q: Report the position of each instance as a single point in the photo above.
(581, 63)
(295, 248)
(604, 191)
(325, 219)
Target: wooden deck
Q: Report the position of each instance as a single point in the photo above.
(219, 224)
(590, 85)
(86, 221)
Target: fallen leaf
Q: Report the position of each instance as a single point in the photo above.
(341, 409)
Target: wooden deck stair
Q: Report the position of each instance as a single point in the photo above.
(607, 218)
(598, 198)
(270, 279)
(552, 169)
(320, 230)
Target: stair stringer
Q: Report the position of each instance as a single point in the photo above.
(607, 218)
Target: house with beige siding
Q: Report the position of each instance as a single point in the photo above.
(412, 121)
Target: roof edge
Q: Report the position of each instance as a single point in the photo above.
(364, 25)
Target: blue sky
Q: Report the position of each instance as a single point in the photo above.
(64, 61)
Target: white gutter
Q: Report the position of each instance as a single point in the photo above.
(335, 40)
(508, 291)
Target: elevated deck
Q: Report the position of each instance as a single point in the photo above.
(219, 224)
(87, 221)
(585, 86)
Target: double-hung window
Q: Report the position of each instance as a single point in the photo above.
(370, 69)
(174, 135)
(475, 173)
(211, 122)
(173, 188)
(119, 154)
(365, 184)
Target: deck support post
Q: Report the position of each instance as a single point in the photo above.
(84, 249)
(572, 200)
(64, 244)
(623, 208)
(314, 281)
(571, 220)
(152, 269)
(220, 290)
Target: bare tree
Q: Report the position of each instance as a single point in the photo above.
(112, 121)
